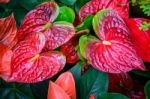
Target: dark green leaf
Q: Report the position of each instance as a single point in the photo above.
(92, 82)
(28, 4)
(15, 91)
(40, 89)
(79, 4)
(68, 2)
(111, 96)
(147, 90)
(142, 73)
(19, 15)
(66, 14)
(76, 70)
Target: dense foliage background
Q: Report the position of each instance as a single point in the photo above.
(87, 83)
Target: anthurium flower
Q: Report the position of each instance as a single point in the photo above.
(4, 1)
(93, 6)
(56, 92)
(140, 29)
(29, 65)
(63, 88)
(8, 30)
(41, 19)
(69, 49)
(5, 61)
(67, 83)
(114, 52)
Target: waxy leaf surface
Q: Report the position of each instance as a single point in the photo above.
(67, 83)
(29, 65)
(115, 52)
(140, 30)
(8, 30)
(93, 6)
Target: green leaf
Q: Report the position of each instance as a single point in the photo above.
(68, 2)
(66, 14)
(19, 15)
(146, 9)
(40, 90)
(83, 42)
(28, 4)
(15, 91)
(79, 4)
(86, 24)
(111, 96)
(147, 90)
(76, 70)
(92, 82)
(142, 73)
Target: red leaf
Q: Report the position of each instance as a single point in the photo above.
(29, 65)
(69, 48)
(58, 34)
(93, 6)
(4, 1)
(35, 20)
(67, 83)
(5, 61)
(141, 38)
(120, 83)
(8, 30)
(115, 53)
(56, 92)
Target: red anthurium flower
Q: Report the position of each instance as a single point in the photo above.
(93, 6)
(4, 1)
(140, 29)
(8, 30)
(114, 52)
(41, 19)
(56, 92)
(29, 65)
(69, 49)
(120, 83)
(67, 83)
(5, 61)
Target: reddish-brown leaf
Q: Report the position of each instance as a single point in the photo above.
(67, 83)
(141, 37)
(8, 30)
(93, 6)
(56, 92)
(5, 61)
